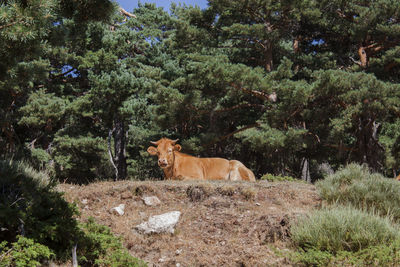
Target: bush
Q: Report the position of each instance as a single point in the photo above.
(342, 229)
(99, 247)
(356, 186)
(23, 252)
(30, 206)
(379, 256)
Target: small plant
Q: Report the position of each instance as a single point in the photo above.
(198, 192)
(384, 255)
(31, 207)
(278, 178)
(24, 252)
(342, 229)
(226, 190)
(249, 193)
(356, 186)
(99, 247)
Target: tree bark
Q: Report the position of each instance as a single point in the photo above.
(74, 257)
(268, 57)
(119, 148)
(305, 170)
(362, 53)
(370, 150)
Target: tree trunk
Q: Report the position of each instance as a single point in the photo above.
(305, 170)
(119, 149)
(370, 150)
(268, 57)
(362, 53)
(296, 42)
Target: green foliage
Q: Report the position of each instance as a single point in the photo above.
(24, 252)
(380, 255)
(79, 79)
(80, 159)
(354, 185)
(99, 247)
(278, 178)
(342, 229)
(346, 235)
(30, 206)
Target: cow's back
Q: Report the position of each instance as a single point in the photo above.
(215, 168)
(187, 167)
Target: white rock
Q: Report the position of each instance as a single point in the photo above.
(151, 201)
(84, 201)
(164, 223)
(119, 210)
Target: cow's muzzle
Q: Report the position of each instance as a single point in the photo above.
(162, 163)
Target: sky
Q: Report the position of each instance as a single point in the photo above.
(129, 5)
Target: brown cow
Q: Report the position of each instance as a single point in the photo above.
(179, 166)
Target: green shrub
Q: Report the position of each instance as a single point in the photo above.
(342, 229)
(356, 186)
(99, 247)
(379, 256)
(24, 252)
(278, 178)
(30, 206)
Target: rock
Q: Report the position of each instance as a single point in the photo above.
(164, 223)
(84, 201)
(151, 201)
(118, 210)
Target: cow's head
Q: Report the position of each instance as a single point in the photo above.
(165, 151)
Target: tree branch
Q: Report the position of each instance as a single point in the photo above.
(246, 105)
(110, 132)
(261, 95)
(126, 13)
(64, 73)
(9, 24)
(232, 133)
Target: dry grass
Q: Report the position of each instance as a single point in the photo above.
(222, 223)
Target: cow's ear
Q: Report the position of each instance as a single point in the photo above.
(177, 147)
(152, 150)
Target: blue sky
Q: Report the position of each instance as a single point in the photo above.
(129, 5)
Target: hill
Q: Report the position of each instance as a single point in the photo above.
(221, 223)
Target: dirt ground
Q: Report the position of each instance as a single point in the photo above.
(222, 223)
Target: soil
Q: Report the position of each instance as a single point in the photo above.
(222, 223)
